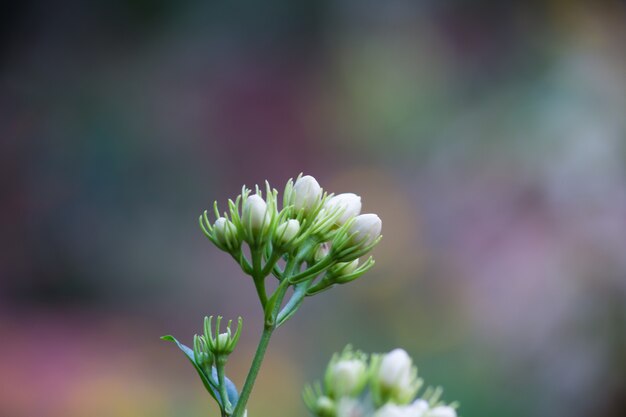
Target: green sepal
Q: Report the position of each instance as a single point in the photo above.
(209, 385)
(323, 285)
(312, 271)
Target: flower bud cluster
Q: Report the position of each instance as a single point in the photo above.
(212, 347)
(209, 356)
(320, 238)
(220, 343)
(308, 212)
(382, 386)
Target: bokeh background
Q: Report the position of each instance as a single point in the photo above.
(490, 136)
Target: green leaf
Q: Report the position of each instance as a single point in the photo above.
(209, 385)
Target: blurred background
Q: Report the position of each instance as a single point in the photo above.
(489, 136)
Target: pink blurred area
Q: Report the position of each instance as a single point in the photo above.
(490, 138)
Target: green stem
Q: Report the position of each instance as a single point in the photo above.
(254, 371)
(265, 339)
(269, 265)
(311, 272)
(293, 304)
(225, 405)
(259, 284)
(242, 261)
(257, 275)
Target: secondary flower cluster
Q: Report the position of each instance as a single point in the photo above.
(384, 386)
(319, 239)
(209, 355)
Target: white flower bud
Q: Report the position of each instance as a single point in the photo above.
(255, 213)
(367, 228)
(419, 407)
(222, 340)
(220, 230)
(348, 377)
(350, 407)
(348, 204)
(287, 231)
(306, 193)
(393, 410)
(441, 411)
(225, 233)
(395, 370)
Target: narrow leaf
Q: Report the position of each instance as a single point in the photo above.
(209, 385)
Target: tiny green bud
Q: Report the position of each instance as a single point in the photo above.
(321, 251)
(344, 268)
(325, 407)
(202, 356)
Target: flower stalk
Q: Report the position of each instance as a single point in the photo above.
(319, 236)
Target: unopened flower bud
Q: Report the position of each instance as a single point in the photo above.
(287, 231)
(441, 411)
(366, 229)
(393, 410)
(344, 268)
(324, 407)
(255, 213)
(350, 407)
(202, 356)
(223, 343)
(226, 233)
(321, 251)
(395, 370)
(222, 339)
(306, 193)
(419, 407)
(348, 205)
(348, 377)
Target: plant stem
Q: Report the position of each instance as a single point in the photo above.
(259, 284)
(254, 371)
(257, 275)
(268, 328)
(269, 265)
(225, 403)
